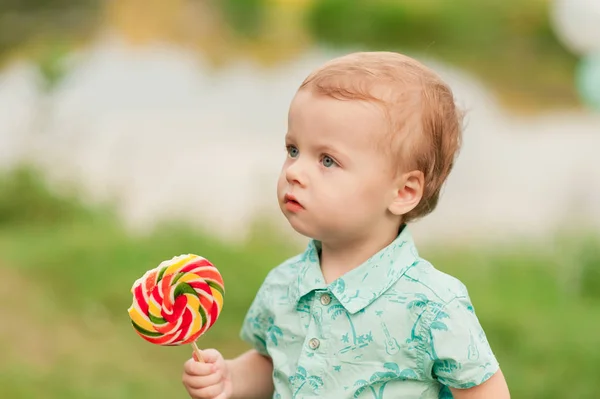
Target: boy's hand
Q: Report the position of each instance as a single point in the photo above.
(208, 380)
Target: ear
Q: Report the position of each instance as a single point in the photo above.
(407, 192)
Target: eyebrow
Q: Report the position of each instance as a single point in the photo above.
(289, 136)
(326, 148)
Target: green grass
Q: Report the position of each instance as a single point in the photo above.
(67, 272)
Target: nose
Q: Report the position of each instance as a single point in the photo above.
(294, 173)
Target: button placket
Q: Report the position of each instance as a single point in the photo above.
(314, 354)
(314, 342)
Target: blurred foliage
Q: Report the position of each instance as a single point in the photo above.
(70, 336)
(246, 17)
(25, 199)
(29, 25)
(510, 44)
(50, 62)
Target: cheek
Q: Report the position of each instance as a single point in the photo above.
(341, 193)
(369, 194)
(281, 182)
(282, 173)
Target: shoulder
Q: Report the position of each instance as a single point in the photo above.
(275, 285)
(436, 285)
(284, 271)
(281, 276)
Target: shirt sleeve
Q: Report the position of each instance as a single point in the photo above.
(459, 349)
(254, 327)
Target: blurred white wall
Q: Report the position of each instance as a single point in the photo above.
(167, 136)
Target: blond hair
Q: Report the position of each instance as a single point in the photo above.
(425, 123)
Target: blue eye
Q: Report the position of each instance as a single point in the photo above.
(328, 162)
(292, 151)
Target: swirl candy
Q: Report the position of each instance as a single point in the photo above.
(178, 301)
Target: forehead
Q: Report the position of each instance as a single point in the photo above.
(348, 123)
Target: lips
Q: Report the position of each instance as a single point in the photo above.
(291, 202)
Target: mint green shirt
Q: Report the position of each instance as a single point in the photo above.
(395, 327)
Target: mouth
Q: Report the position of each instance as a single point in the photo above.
(291, 201)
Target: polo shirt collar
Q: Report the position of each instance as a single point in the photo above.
(362, 285)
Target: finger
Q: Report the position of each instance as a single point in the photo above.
(211, 355)
(195, 368)
(211, 392)
(196, 382)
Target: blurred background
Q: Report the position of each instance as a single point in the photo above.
(135, 130)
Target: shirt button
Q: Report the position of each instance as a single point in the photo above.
(314, 343)
(325, 299)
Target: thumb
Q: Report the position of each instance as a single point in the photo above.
(208, 355)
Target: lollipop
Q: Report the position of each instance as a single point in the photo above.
(177, 302)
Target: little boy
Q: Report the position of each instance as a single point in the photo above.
(371, 139)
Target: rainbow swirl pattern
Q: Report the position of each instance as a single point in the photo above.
(178, 301)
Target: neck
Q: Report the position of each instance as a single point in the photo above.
(340, 257)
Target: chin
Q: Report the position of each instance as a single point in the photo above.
(299, 227)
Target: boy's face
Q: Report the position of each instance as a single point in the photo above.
(335, 184)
